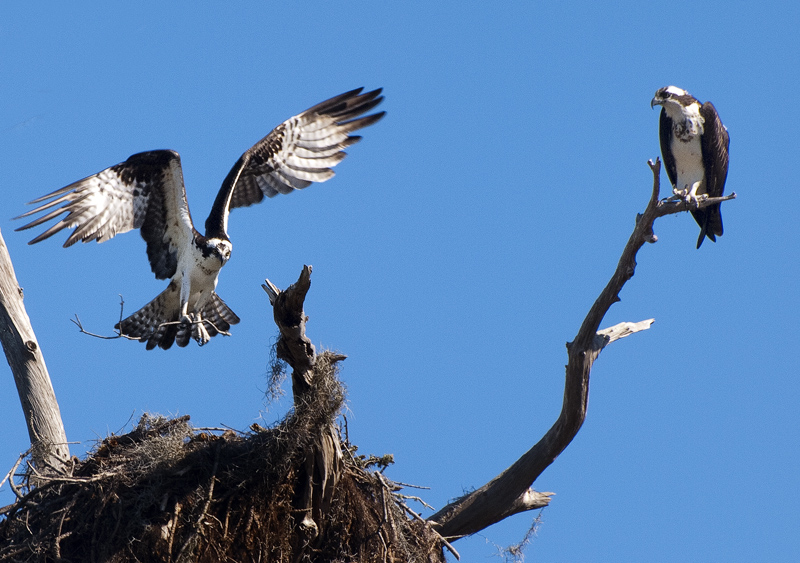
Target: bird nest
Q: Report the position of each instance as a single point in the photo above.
(169, 492)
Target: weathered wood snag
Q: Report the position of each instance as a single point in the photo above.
(323, 458)
(323, 467)
(49, 448)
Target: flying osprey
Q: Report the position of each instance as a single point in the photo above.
(146, 192)
(694, 144)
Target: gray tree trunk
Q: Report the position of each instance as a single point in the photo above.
(46, 430)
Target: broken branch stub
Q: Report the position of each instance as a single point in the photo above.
(293, 346)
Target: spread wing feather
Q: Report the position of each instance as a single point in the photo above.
(145, 192)
(304, 148)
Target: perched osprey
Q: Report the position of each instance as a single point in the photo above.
(146, 192)
(694, 144)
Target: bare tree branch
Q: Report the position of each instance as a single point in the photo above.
(510, 492)
(323, 457)
(39, 405)
(77, 322)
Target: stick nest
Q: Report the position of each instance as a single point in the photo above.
(169, 492)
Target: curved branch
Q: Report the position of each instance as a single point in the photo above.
(510, 492)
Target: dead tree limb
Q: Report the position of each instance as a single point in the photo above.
(323, 458)
(510, 493)
(39, 405)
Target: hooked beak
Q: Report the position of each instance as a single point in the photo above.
(656, 102)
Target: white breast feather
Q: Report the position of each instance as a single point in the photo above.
(686, 147)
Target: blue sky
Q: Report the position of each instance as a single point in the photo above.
(458, 248)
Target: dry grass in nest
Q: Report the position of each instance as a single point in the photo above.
(169, 492)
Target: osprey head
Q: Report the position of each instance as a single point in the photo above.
(217, 247)
(671, 95)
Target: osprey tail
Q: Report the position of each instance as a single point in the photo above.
(216, 317)
(710, 221)
(159, 322)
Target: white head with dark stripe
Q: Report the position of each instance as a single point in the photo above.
(682, 108)
(672, 95)
(215, 252)
(673, 99)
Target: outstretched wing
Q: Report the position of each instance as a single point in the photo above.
(298, 152)
(145, 192)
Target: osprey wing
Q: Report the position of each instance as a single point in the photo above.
(145, 192)
(298, 152)
(665, 136)
(714, 146)
(715, 150)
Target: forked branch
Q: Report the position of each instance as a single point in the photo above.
(510, 493)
